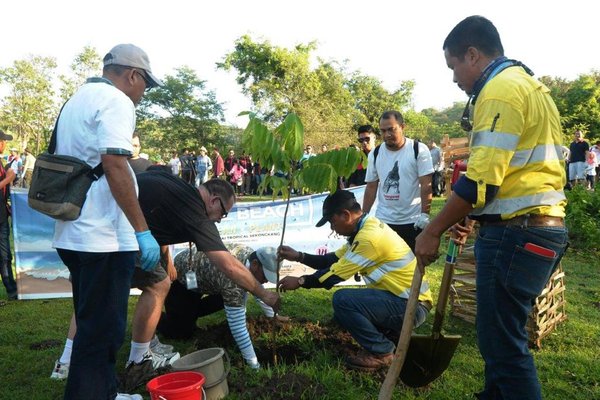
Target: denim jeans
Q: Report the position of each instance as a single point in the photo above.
(100, 296)
(6, 260)
(365, 313)
(509, 278)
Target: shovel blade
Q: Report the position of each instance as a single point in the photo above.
(427, 358)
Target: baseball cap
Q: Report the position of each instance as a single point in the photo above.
(203, 149)
(268, 259)
(129, 55)
(4, 136)
(335, 202)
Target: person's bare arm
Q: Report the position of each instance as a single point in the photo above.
(238, 273)
(426, 193)
(369, 196)
(122, 188)
(9, 178)
(428, 241)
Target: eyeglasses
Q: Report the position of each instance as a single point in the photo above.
(364, 139)
(223, 209)
(147, 82)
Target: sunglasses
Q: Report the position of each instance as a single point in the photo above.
(364, 139)
(147, 82)
(223, 210)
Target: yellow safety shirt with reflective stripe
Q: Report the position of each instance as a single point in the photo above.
(382, 258)
(516, 145)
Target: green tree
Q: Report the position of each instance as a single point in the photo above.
(86, 64)
(578, 103)
(181, 114)
(371, 99)
(29, 110)
(330, 102)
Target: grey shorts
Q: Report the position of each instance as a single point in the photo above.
(142, 279)
(577, 170)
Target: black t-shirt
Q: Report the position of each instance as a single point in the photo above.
(175, 212)
(578, 150)
(139, 164)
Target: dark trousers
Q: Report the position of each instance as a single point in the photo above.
(100, 294)
(6, 271)
(408, 233)
(182, 308)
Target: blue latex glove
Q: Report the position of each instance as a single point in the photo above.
(149, 250)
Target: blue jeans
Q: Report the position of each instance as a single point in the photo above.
(6, 260)
(100, 296)
(365, 313)
(509, 278)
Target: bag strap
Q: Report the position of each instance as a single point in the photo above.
(96, 173)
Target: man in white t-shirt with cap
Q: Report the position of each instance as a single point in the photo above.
(99, 248)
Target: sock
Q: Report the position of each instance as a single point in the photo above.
(136, 354)
(66, 355)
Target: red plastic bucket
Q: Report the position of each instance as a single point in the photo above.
(176, 386)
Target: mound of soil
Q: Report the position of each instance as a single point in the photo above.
(297, 340)
(316, 335)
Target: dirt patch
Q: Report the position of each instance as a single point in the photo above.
(295, 339)
(46, 344)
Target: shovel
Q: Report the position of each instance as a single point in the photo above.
(429, 355)
(416, 358)
(387, 388)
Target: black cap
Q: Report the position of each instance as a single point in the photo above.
(336, 202)
(4, 136)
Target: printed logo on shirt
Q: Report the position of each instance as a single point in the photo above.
(391, 185)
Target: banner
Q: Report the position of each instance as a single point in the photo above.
(41, 273)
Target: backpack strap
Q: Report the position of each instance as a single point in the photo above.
(415, 150)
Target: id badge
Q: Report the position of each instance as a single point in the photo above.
(190, 280)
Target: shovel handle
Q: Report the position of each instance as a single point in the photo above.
(387, 388)
(440, 309)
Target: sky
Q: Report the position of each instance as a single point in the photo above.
(393, 41)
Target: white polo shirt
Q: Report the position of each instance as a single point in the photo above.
(98, 119)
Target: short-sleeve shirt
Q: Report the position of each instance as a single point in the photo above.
(98, 119)
(398, 173)
(175, 212)
(211, 280)
(578, 150)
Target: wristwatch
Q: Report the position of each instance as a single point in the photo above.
(301, 281)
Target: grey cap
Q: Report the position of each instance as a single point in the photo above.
(268, 259)
(129, 55)
(5, 136)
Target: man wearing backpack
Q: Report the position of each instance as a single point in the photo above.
(399, 176)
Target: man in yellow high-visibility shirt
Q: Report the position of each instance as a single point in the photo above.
(513, 186)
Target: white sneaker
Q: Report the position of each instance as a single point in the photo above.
(124, 396)
(162, 360)
(157, 347)
(60, 371)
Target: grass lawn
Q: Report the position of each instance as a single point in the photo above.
(32, 334)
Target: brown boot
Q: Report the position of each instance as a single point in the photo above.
(365, 360)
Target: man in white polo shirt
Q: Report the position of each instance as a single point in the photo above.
(99, 248)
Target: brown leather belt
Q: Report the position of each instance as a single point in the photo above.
(528, 220)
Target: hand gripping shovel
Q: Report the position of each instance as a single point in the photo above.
(417, 358)
(429, 355)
